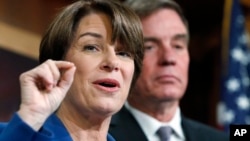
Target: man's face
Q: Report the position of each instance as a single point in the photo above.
(164, 74)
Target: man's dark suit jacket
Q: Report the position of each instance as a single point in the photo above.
(124, 127)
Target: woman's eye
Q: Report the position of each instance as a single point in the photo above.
(125, 54)
(90, 48)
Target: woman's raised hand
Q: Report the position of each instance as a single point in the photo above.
(43, 89)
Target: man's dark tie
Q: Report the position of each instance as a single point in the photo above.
(164, 133)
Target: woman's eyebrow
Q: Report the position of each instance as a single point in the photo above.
(96, 35)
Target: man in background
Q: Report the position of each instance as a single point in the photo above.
(154, 100)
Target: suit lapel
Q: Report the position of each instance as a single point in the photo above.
(192, 130)
(124, 123)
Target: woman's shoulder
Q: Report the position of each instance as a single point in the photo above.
(2, 126)
(110, 138)
(15, 129)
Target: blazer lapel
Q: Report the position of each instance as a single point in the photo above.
(124, 123)
(192, 130)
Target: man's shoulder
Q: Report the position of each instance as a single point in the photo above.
(198, 125)
(122, 115)
(124, 127)
(192, 127)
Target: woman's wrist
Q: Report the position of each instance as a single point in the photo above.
(34, 119)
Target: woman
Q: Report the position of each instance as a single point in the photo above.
(89, 56)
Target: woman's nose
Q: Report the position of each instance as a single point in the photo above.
(110, 63)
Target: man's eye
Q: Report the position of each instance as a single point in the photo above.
(148, 47)
(125, 54)
(178, 46)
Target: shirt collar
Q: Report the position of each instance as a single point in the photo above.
(150, 125)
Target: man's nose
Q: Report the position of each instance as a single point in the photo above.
(167, 56)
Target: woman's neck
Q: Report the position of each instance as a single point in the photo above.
(82, 126)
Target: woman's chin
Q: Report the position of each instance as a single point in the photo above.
(107, 108)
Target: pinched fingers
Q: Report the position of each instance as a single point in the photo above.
(42, 90)
(67, 71)
(48, 75)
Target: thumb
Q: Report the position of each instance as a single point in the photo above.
(67, 77)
